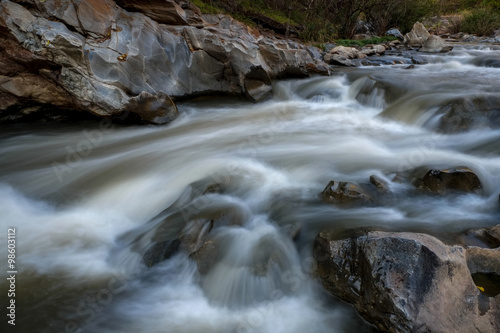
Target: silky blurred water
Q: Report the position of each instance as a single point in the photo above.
(75, 193)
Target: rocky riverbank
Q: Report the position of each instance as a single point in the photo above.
(134, 61)
(130, 59)
(413, 282)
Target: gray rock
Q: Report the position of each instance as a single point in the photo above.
(396, 33)
(329, 47)
(417, 36)
(373, 50)
(470, 112)
(348, 52)
(435, 44)
(405, 282)
(100, 58)
(418, 61)
(336, 59)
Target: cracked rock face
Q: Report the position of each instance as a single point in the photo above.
(111, 59)
(409, 282)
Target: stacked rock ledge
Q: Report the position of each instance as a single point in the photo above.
(112, 58)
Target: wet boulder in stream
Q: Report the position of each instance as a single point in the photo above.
(459, 179)
(469, 113)
(186, 225)
(405, 282)
(346, 194)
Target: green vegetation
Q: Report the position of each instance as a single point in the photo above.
(325, 20)
(208, 7)
(478, 17)
(363, 42)
(481, 21)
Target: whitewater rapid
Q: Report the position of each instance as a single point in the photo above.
(78, 194)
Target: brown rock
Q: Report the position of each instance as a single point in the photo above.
(348, 52)
(206, 256)
(345, 193)
(486, 238)
(381, 185)
(486, 261)
(97, 16)
(155, 109)
(457, 179)
(35, 88)
(166, 11)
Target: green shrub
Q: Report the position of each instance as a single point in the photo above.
(481, 22)
(363, 42)
(208, 8)
(456, 22)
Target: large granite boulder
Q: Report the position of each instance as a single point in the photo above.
(408, 282)
(112, 59)
(417, 36)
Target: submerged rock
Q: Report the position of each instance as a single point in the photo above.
(405, 282)
(489, 237)
(345, 193)
(470, 112)
(457, 179)
(381, 185)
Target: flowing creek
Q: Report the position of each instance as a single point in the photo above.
(89, 199)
